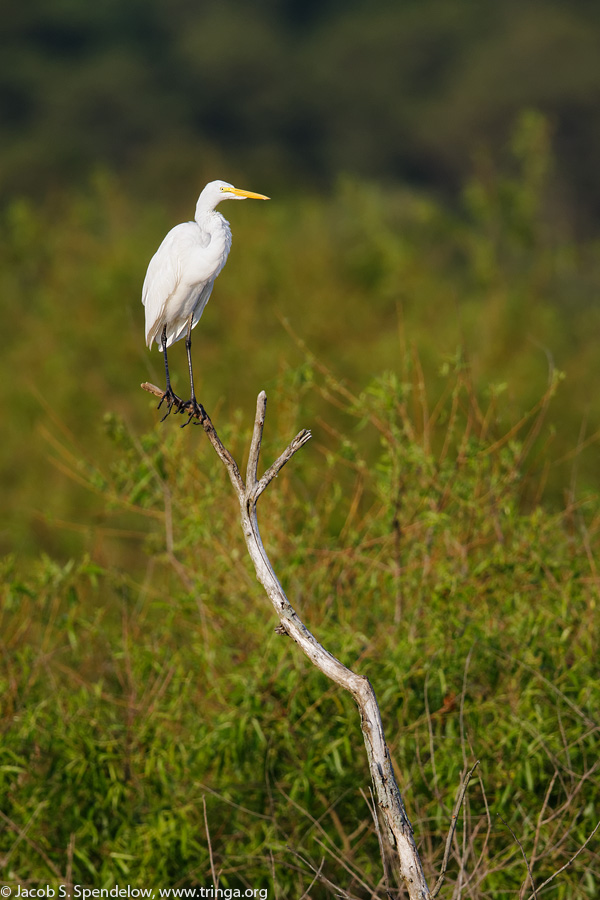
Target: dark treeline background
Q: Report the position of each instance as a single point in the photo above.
(295, 92)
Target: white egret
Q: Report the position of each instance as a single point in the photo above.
(181, 275)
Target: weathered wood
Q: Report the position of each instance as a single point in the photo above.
(397, 833)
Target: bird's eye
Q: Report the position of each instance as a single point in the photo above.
(221, 188)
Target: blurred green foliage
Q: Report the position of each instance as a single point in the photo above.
(131, 700)
(295, 91)
(361, 276)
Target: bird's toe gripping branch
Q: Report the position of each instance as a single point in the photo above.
(193, 409)
(172, 400)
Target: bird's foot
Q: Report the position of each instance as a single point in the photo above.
(194, 410)
(172, 400)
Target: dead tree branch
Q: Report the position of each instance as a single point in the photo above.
(398, 833)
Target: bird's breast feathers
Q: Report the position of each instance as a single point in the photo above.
(180, 275)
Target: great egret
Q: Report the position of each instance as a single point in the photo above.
(181, 275)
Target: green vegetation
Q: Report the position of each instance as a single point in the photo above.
(474, 619)
(362, 276)
(439, 534)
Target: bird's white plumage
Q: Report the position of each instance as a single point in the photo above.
(182, 272)
(180, 278)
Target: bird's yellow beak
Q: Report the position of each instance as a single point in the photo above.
(250, 194)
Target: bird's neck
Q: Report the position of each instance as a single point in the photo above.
(208, 218)
(214, 229)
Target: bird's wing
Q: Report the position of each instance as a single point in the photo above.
(202, 301)
(165, 294)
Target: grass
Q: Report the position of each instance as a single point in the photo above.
(152, 720)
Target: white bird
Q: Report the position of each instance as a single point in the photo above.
(180, 278)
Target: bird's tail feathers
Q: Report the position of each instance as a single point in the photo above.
(175, 332)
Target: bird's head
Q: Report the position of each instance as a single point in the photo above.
(216, 191)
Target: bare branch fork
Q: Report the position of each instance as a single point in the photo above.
(397, 832)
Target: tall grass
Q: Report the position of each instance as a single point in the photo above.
(413, 541)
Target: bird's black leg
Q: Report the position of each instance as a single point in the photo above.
(169, 395)
(192, 406)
